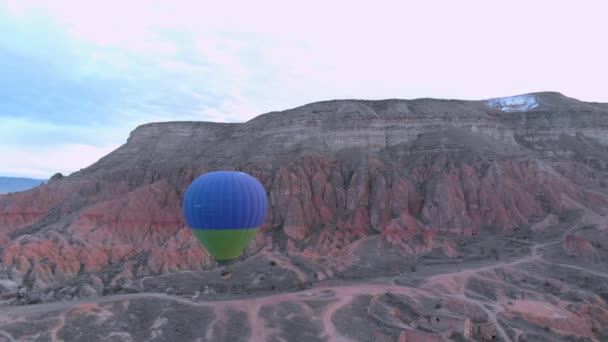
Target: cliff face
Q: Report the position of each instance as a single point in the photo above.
(379, 183)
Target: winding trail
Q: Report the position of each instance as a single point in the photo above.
(341, 296)
(8, 336)
(578, 268)
(446, 285)
(454, 284)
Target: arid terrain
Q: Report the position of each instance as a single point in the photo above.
(393, 220)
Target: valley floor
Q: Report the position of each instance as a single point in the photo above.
(529, 290)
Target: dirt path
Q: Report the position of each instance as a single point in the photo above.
(455, 283)
(578, 268)
(444, 285)
(341, 296)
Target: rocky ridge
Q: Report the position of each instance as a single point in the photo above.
(454, 201)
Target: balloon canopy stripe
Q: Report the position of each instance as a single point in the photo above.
(225, 244)
(225, 200)
(225, 210)
(207, 228)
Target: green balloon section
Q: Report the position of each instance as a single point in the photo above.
(225, 210)
(225, 245)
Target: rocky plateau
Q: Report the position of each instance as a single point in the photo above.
(389, 220)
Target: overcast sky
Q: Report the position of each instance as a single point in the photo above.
(77, 76)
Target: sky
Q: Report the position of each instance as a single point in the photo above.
(76, 77)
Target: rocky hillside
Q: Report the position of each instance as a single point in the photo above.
(422, 219)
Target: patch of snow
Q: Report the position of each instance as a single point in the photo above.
(511, 104)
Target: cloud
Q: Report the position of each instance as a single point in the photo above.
(44, 161)
(18, 132)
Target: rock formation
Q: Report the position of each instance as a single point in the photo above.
(471, 206)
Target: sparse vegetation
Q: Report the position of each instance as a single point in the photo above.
(457, 337)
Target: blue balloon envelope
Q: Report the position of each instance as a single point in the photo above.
(225, 210)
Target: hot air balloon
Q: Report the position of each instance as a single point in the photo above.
(225, 210)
